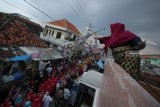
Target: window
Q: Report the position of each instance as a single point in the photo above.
(52, 33)
(58, 35)
(66, 37)
(46, 32)
(74, 38)
(49, 32)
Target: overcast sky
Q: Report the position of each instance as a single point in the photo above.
(140, 16)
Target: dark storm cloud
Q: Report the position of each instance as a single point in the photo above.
(140, 16)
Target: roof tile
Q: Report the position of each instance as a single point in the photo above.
(66, 24)
(16, 33)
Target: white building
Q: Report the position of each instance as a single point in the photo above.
(60, 31)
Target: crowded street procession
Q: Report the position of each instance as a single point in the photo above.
(55, 63)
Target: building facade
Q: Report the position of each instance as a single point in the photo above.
(59, 32)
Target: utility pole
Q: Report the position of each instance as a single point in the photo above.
(91, 30)
(95, 41)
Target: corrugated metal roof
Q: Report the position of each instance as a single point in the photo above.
(42, 53)
(150, 50)
(92, 79)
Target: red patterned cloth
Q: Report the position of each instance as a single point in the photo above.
(30, 94)
(7, 103)
(37, 102)
(42, 88)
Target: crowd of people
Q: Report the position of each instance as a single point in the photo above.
(55, 82)
(56, 79)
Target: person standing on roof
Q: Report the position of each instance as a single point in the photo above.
(121, 42)
(120, 36)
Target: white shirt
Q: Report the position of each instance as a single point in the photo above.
(46, 100)
(66, 93)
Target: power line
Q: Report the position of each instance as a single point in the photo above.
(80, 11)
(39, 10)
(75, 11)
(83, 10)
(22, 10)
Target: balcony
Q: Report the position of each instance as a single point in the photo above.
(52, 40)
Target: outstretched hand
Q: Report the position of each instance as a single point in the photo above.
(96, 37)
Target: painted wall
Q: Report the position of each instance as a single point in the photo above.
(50, 34)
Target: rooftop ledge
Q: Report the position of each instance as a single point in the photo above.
(119, 89)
